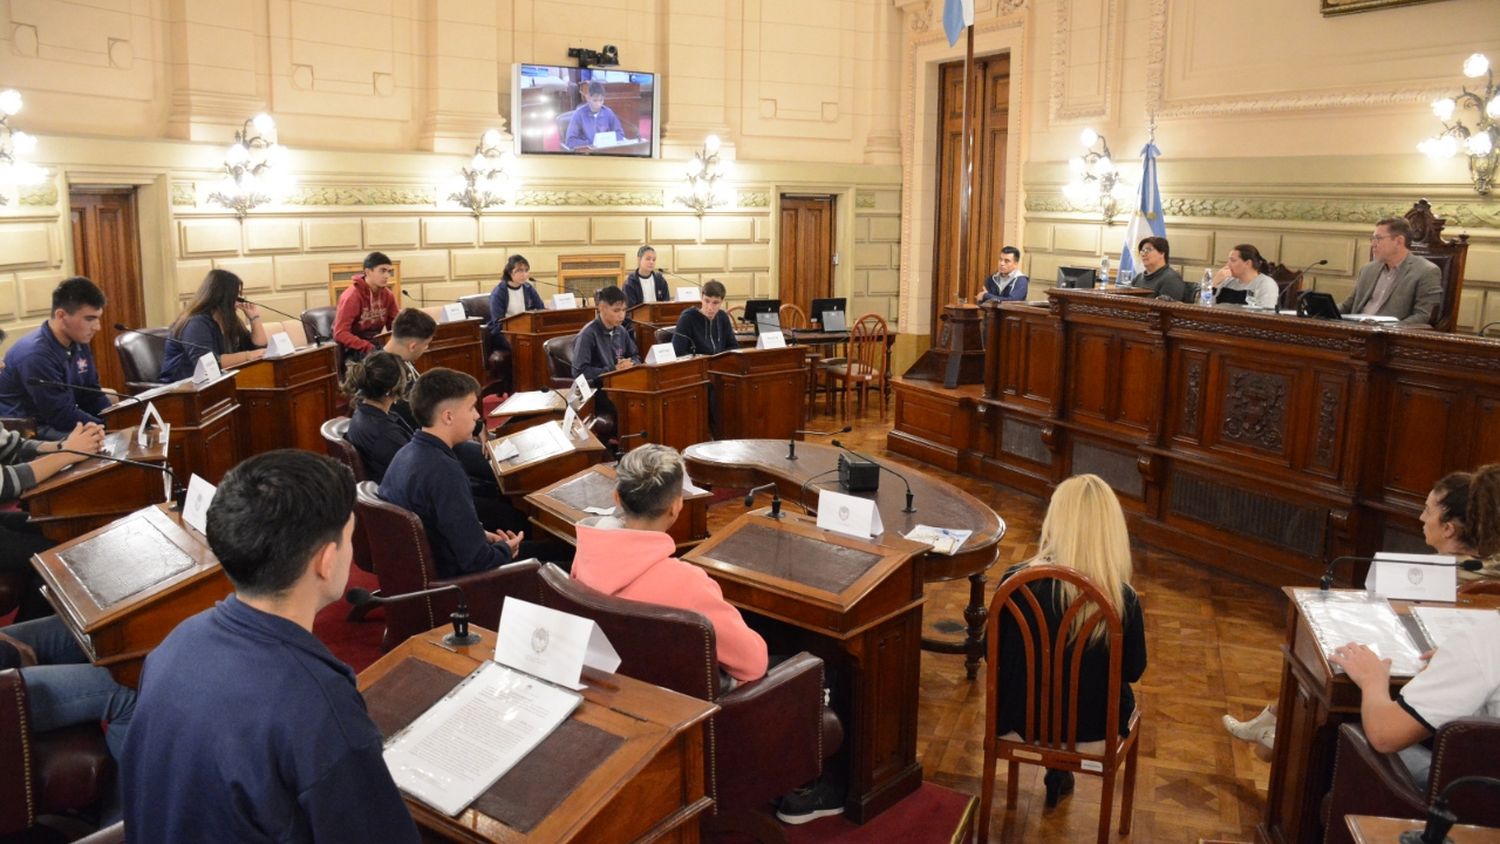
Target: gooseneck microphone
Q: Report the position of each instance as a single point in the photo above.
(775, 498)
(1318, 263)
(883, 467)
(120, 326)
(621, 438)
(460, 616)
(317, 338)
(160, 467)
(422, 301)
(791, 442)
(35, 381)
(1440, 818)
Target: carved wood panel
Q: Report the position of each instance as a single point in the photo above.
(1486, 431)
(1134, 386)
(1325, 444)
(1253, 408)
(1089, 370)
(1189, 374)
(1420, 420)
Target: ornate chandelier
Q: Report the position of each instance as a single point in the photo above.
(706, 179)
(490, 177)
(14, 145)
(254, 168)
(1480, 142)
(1095, 178)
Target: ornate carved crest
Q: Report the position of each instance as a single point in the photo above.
(1255, 410)
(1328, 405)
(1191, 396)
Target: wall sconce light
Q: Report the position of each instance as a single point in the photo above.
(1480, 143)
(489, 178)
(1095, 178)
(707, 178)
(254, 168)
(14, 144)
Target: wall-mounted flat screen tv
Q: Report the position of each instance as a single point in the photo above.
(584, 111)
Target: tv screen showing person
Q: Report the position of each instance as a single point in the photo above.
(585, 111)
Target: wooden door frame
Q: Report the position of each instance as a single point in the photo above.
(843, 235)
(153, 226)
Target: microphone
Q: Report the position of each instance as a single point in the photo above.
(1327, 580)
(1318, 263)
(460, 617)
(791, 443)
(620, 438)
(775, 498)
(120, 326)
(842, 470)
(34, 381)
(1440, 818)
(688, 338)
(318, 339)
(420, 301)
(160, 467)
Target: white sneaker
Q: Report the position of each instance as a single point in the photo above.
(1261, 728)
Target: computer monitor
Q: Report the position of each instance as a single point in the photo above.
(756, 307)
(1075, 277)
(821, 306)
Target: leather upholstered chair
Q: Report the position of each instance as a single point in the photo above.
(665, 335)
(476, 305)
(769, 736)
(559, 351)
(318, 322)
(1368, 782)
(141, 355)
(48, 782)
(496, 360)
(403, 563)
(344, 452)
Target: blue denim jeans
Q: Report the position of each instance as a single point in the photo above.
(63, 689)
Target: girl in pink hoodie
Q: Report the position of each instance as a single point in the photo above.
(636, 562)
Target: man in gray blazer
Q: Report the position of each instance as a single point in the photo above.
(1397, 283)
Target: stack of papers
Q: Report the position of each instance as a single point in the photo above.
(943, 540)
(1338, 618)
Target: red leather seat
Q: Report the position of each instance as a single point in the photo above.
(49, 782)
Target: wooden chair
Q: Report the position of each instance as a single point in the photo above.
(293, 329)
(864, 367)
(1449, 255)
(342, 275)
(1288, 285)
(1480, 587)
(737, 316)
(793, 317)
(1051, 734)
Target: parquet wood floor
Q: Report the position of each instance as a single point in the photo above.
(1212, 647)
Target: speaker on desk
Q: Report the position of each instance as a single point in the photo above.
(858, 474)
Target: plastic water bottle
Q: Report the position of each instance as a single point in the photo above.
(1206, 289)
(1104, 271)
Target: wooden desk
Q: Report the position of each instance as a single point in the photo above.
(669, 401)
(288, 399)
(537, 466)
(527, 332)
(205, 438)
(759, 392)
(1314, 701)
(457, 345)
(1371, 830)
(95, 492)
(627, 766)
(122, 588)
(742, 464)
(532, 407)
(860, 604)
(647, 317)
(559, 508)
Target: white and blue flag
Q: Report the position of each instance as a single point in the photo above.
(1146, 219)
(957, 14)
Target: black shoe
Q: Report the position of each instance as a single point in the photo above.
(1059, 785)
(819, 800)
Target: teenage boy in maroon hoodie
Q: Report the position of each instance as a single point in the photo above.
(366, 307)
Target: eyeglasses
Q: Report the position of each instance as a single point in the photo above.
(1378, 237)
(1145, 249)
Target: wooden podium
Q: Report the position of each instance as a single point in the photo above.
(547, 454)
(649, 316)
(95, 492)
(669, 401)
(288, 399)
(559, 508)
(626, 766)
(958, 356)
(860, 605)
(759, 392)
(205, 437)
(457, 345)
(122, 588)
(528, 331)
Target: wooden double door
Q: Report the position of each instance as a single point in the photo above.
(106, 249)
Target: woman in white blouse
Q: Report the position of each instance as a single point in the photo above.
(1244, 280)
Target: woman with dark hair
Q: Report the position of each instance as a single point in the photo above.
(212, 323)
(1245, 279)
(514, 294)
(377, 433)
(645, 273)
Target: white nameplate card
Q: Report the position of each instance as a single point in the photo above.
(661, 353)
(571, 425)
(148, 416)
(770, 340)
(689, 294)
(848, 514)
(564, 301)
(1413, 577)
(648, 290)
(468, 740)
(454, 312)
(200, 494)
(205, 370)
(606, 139)
(552, 645)
(581, 392)
(279, 345)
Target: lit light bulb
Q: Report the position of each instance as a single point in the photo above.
(1447, 146)
(711, 143)
(1076, 164)
(507, 160)
(263, 123)
(1492, 108)
(237, 154)
(27, 173)
(1088, 137)
(725, 167)
(1104, 165)
(1476, 65)
(1074, 191)
(1428, 147)
(10, 101)
(1479, 143)
(1443, 109)
(490, 138)
(23, 142)
(479, 162)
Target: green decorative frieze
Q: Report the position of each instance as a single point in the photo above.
(590, 198)
(184, 194)
(44, 196)
(328, 195)
(754, 199)
(864, 199)
(1459, 214)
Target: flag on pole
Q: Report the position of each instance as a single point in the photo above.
(957, 14)
(1146, 220)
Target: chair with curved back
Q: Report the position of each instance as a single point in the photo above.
(1288, 286)
(865, 366)
(141, 355)
(342, 450)
(1052, 699)
(737, 318)
(559, 352)
(792, 317)
(768, 737)
(1449, 255)
(47, 779)
(403, 563)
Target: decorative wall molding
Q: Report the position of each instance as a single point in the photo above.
(1063, 48)
(1471, 214)
(44, 196)
(864, 199)
(330, 195)
(184, 194)
(754, 199)
(591, 198)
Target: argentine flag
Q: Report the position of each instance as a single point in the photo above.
(1145, 220)
(957, 14)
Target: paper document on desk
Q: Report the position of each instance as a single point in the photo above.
(943, 540)
(457, 749)
(1439, 624)
(1370, 318)
(1340, 617)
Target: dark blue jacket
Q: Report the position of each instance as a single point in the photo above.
(248, 729)
(427, 478)
(1012, 291)
(634, 295)
(198, 334)
(39, 355)
(695, 335)
(597, 350)
(500, 303)
(377, 435)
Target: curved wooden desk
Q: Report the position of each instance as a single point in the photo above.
(741, 464)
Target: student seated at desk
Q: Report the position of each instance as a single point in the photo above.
(212, 324)
(706, 329)
(604, 345)
(591, 118)
(411, 334)
(1244, 279)
(515, 294)
(1008, 284)
(645, 273)
(58, 352)
(246, 728)
(1084, 530)
(366, 307)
